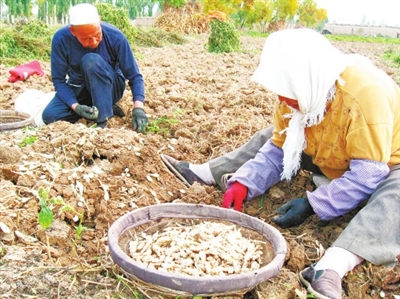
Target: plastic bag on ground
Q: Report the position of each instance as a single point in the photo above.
(33, 102)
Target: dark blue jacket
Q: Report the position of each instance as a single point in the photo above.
(67, 52)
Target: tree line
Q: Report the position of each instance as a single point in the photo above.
(244, 12)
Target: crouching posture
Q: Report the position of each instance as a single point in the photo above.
(90, 62)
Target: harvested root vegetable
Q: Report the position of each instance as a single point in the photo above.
(208, 248)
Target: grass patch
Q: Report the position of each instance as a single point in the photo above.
(253, 33)
(363, 39)
(393, 56)
(32, 40)
(19, 46)
(152, 37)
(25, 41)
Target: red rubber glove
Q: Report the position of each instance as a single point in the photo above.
(236, 194)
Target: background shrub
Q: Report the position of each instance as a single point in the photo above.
(223, 37)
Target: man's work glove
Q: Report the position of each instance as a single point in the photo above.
(89, 113)
(293, 213)
(235, 195)
(139, 120)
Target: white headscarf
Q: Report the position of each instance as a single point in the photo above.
(300, 64)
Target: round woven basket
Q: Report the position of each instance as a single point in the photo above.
(10, 119)
(180, 284)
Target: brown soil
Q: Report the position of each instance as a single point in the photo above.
(209, 106)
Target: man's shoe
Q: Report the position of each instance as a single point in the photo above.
(181, 170)
(102, 125)
(117, 110)
(323, 284)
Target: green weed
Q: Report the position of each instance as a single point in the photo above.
(393, 56)
(161, 125)
(46, 215)
(262, 200)
(30, 139)
(136, 294)
(27, 141)
(3, 251)
(67, 208)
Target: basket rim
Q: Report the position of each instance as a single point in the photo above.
(27, 119)
(192, 284)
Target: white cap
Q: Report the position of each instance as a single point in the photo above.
(83, 14)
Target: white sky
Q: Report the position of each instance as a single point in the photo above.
(373, 12)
